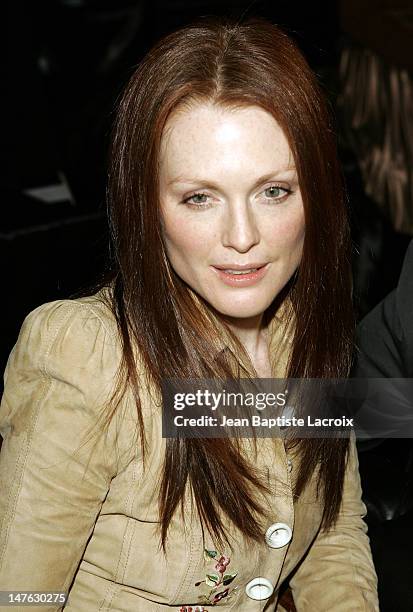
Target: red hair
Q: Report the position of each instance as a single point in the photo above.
(230, 64)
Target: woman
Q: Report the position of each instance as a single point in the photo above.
(231, 259)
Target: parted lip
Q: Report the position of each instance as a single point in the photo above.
(239, 267)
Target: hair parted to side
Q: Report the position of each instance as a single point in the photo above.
(175, 331)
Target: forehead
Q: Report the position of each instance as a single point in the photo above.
(214, 137)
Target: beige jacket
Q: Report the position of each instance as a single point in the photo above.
(93, 532)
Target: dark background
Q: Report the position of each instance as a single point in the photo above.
(68, 61)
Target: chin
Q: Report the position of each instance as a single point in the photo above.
(239, 311)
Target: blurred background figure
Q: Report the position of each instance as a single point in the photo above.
(377, 101)
(375, 105)
(385, 350)
(375, 110)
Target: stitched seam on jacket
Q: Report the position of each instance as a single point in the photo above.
(189, 565)
(356, 574)
(357, 583)
(47, 384)
(129, 507)
(114, 586)
(15, 489)
(93, 311)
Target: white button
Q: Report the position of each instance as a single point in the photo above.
(289, 465)
(259, 588)
(278, 535)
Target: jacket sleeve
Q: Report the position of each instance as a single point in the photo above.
(338, 572)
(52, 490)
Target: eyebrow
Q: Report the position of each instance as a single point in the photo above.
(200, 181)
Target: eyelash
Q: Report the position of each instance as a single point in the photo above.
(186, 201)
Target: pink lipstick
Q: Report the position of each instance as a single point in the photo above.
(241, 276)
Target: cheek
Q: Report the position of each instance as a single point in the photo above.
(185, 239)
(287, 232)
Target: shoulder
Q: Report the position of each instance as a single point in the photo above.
(86, 313)
(404, 292)
(385, 335)
(77, 337)
(395, 309)
(63, 371)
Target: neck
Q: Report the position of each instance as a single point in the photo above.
(251, 333)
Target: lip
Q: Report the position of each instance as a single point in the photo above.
(241, 280)
(240, 267)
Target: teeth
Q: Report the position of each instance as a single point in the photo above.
(241, 271)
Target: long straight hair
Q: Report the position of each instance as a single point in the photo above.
(176, 333)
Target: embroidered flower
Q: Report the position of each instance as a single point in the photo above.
(221, 566)
(217, 578)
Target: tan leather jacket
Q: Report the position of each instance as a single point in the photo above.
(86, 523)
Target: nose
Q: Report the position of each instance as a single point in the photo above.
(240, 230)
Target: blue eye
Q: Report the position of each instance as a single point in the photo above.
(197, 200)
(275, 192)
(195, 197)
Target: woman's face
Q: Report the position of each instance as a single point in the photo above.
(230, 203)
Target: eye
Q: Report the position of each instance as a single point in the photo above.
(197, 200)
(276, 192)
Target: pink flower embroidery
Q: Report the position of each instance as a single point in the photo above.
(221, 566)
(217, 578)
